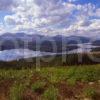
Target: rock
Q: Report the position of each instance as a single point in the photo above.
(91, 83)
(87, 99)
(99, 81)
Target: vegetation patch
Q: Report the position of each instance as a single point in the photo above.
(51, 83)
(38, 87)
(51, 93)
(89, 92)
(16, 91)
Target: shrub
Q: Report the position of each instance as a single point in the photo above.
(38, 85)
(89, 92)
(71, 81)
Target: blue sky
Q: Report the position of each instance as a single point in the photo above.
(50, 17)
(96, 2)
(3, 14)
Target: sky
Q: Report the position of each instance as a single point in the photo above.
(50, 17)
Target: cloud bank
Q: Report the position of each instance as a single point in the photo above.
(51, 17)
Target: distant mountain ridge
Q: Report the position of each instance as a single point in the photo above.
(36, 36)
(18, 40)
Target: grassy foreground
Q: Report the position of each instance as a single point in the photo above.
(51, 83)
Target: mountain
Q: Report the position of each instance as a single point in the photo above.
(96, 42)
(40, 43)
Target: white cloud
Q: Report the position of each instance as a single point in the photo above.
(7, 4)
(39, 14)
(53, 16)
(2, 30)
(97, 13)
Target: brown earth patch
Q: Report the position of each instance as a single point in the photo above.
(69, 92)
(30, 95)
(4, 88)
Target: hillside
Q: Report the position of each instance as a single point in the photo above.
(56, 83)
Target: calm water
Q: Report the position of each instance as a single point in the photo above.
(16, 54)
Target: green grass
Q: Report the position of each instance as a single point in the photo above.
(50, 94)
(38, 85)
(52, 75)
(16, 74)
(89, 92)
(81, 73)
(16, 91)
